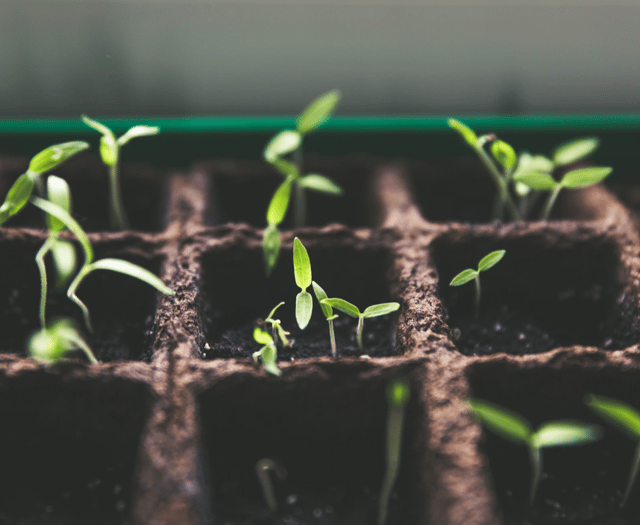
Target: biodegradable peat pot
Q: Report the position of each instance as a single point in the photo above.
(178, 413)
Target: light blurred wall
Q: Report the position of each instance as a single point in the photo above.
(152, 57)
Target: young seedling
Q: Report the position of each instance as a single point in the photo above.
(627, 419)
(110, 153)
(514, 427)
(287, 143)
(268, 354)
(50, 345)
(89, 265)
(397, 398)
(352, 310)
(328, 313)
(277, 332)
(467, 275)
(45, 161)
(302, 274)
(263, 466)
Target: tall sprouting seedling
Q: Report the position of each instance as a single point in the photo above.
(268, 354)
(284, 152)
(110, 153)
(328, 313)
(277, 332)
(302, 274)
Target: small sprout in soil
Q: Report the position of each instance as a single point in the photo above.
(268, 354)
(627, 419)
(48, 159)
(397, 398)
(352, 310)
(277, 332)
(514, 427)
(302, 274)
(110, 153)
(263, 466)
(328, 313)
(289, 143)
(467, 275)
(50, 345)
(89, 265)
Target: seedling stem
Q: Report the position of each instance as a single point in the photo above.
(263, 466)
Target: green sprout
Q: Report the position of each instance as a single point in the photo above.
(48, 159)
(263, 466)
(517, 429)
(62, 252)
(110, 153)
(302, 274)
(328, 313)
(50, 345)
(289, 143)
(467, 275)
(397, 398)
(277, 331)
(627, 419)
(89, 265)
(352, 310)
(268, 354)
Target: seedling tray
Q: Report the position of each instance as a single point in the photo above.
(168, 428)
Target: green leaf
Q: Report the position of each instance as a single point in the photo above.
(304, 309)
(463, 277)
(283, 143)
(318, 111)
(561, 433)
(63, 254)
(100, 128)
(344, 306)
(398, 392)
(623, 416)
(132, 270)
(377, 310)
(503, 422)
(270, 247)
(574, 151)
(50, 345)
(490, 260)
(59, 193)
(521, 189)
(286, 168)
(585, 177)
(55, 155)
(301, 265)
(504, 154)
(279, 203)
(320, 183)
(269, 357)
(536, 180)
(466, 133)
(262, 337)
(321, 296)
(108, 150)
(138, 131)
(17, 196)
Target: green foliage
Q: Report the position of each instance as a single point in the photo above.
(268, 354)
(50, 345)
(302, 274)
(514, 427)
(574, 151)
(318, 112)
(276, 327)
(321, 295)
(488, 261)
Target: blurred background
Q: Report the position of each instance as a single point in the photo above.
(61, 58)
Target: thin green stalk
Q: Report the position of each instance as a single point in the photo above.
(477, 281)
(117, 213)
(632, 474)
(71, 293)
(394, 436)
(332, 336)
(550, 202)
(81, 343)
(503, 189)
(360, 325)
(536, 470)
(46, 248)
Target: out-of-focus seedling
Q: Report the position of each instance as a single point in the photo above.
(263, 467)
(268, 354)
(48, 159)
(50, 345)
(328, 313)
(302, 274)
(397, 399)
(514, 427)
(467, 275)
(110, 153)
(625, 418)
(352, 310)
(277, 332)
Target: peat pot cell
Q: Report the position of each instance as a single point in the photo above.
(329, 435)
(580, 484)
(237, 295)
(242, 193)
(122, 308)
(143, 190)
(541, 295)
(461, 190)
(70, 448)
